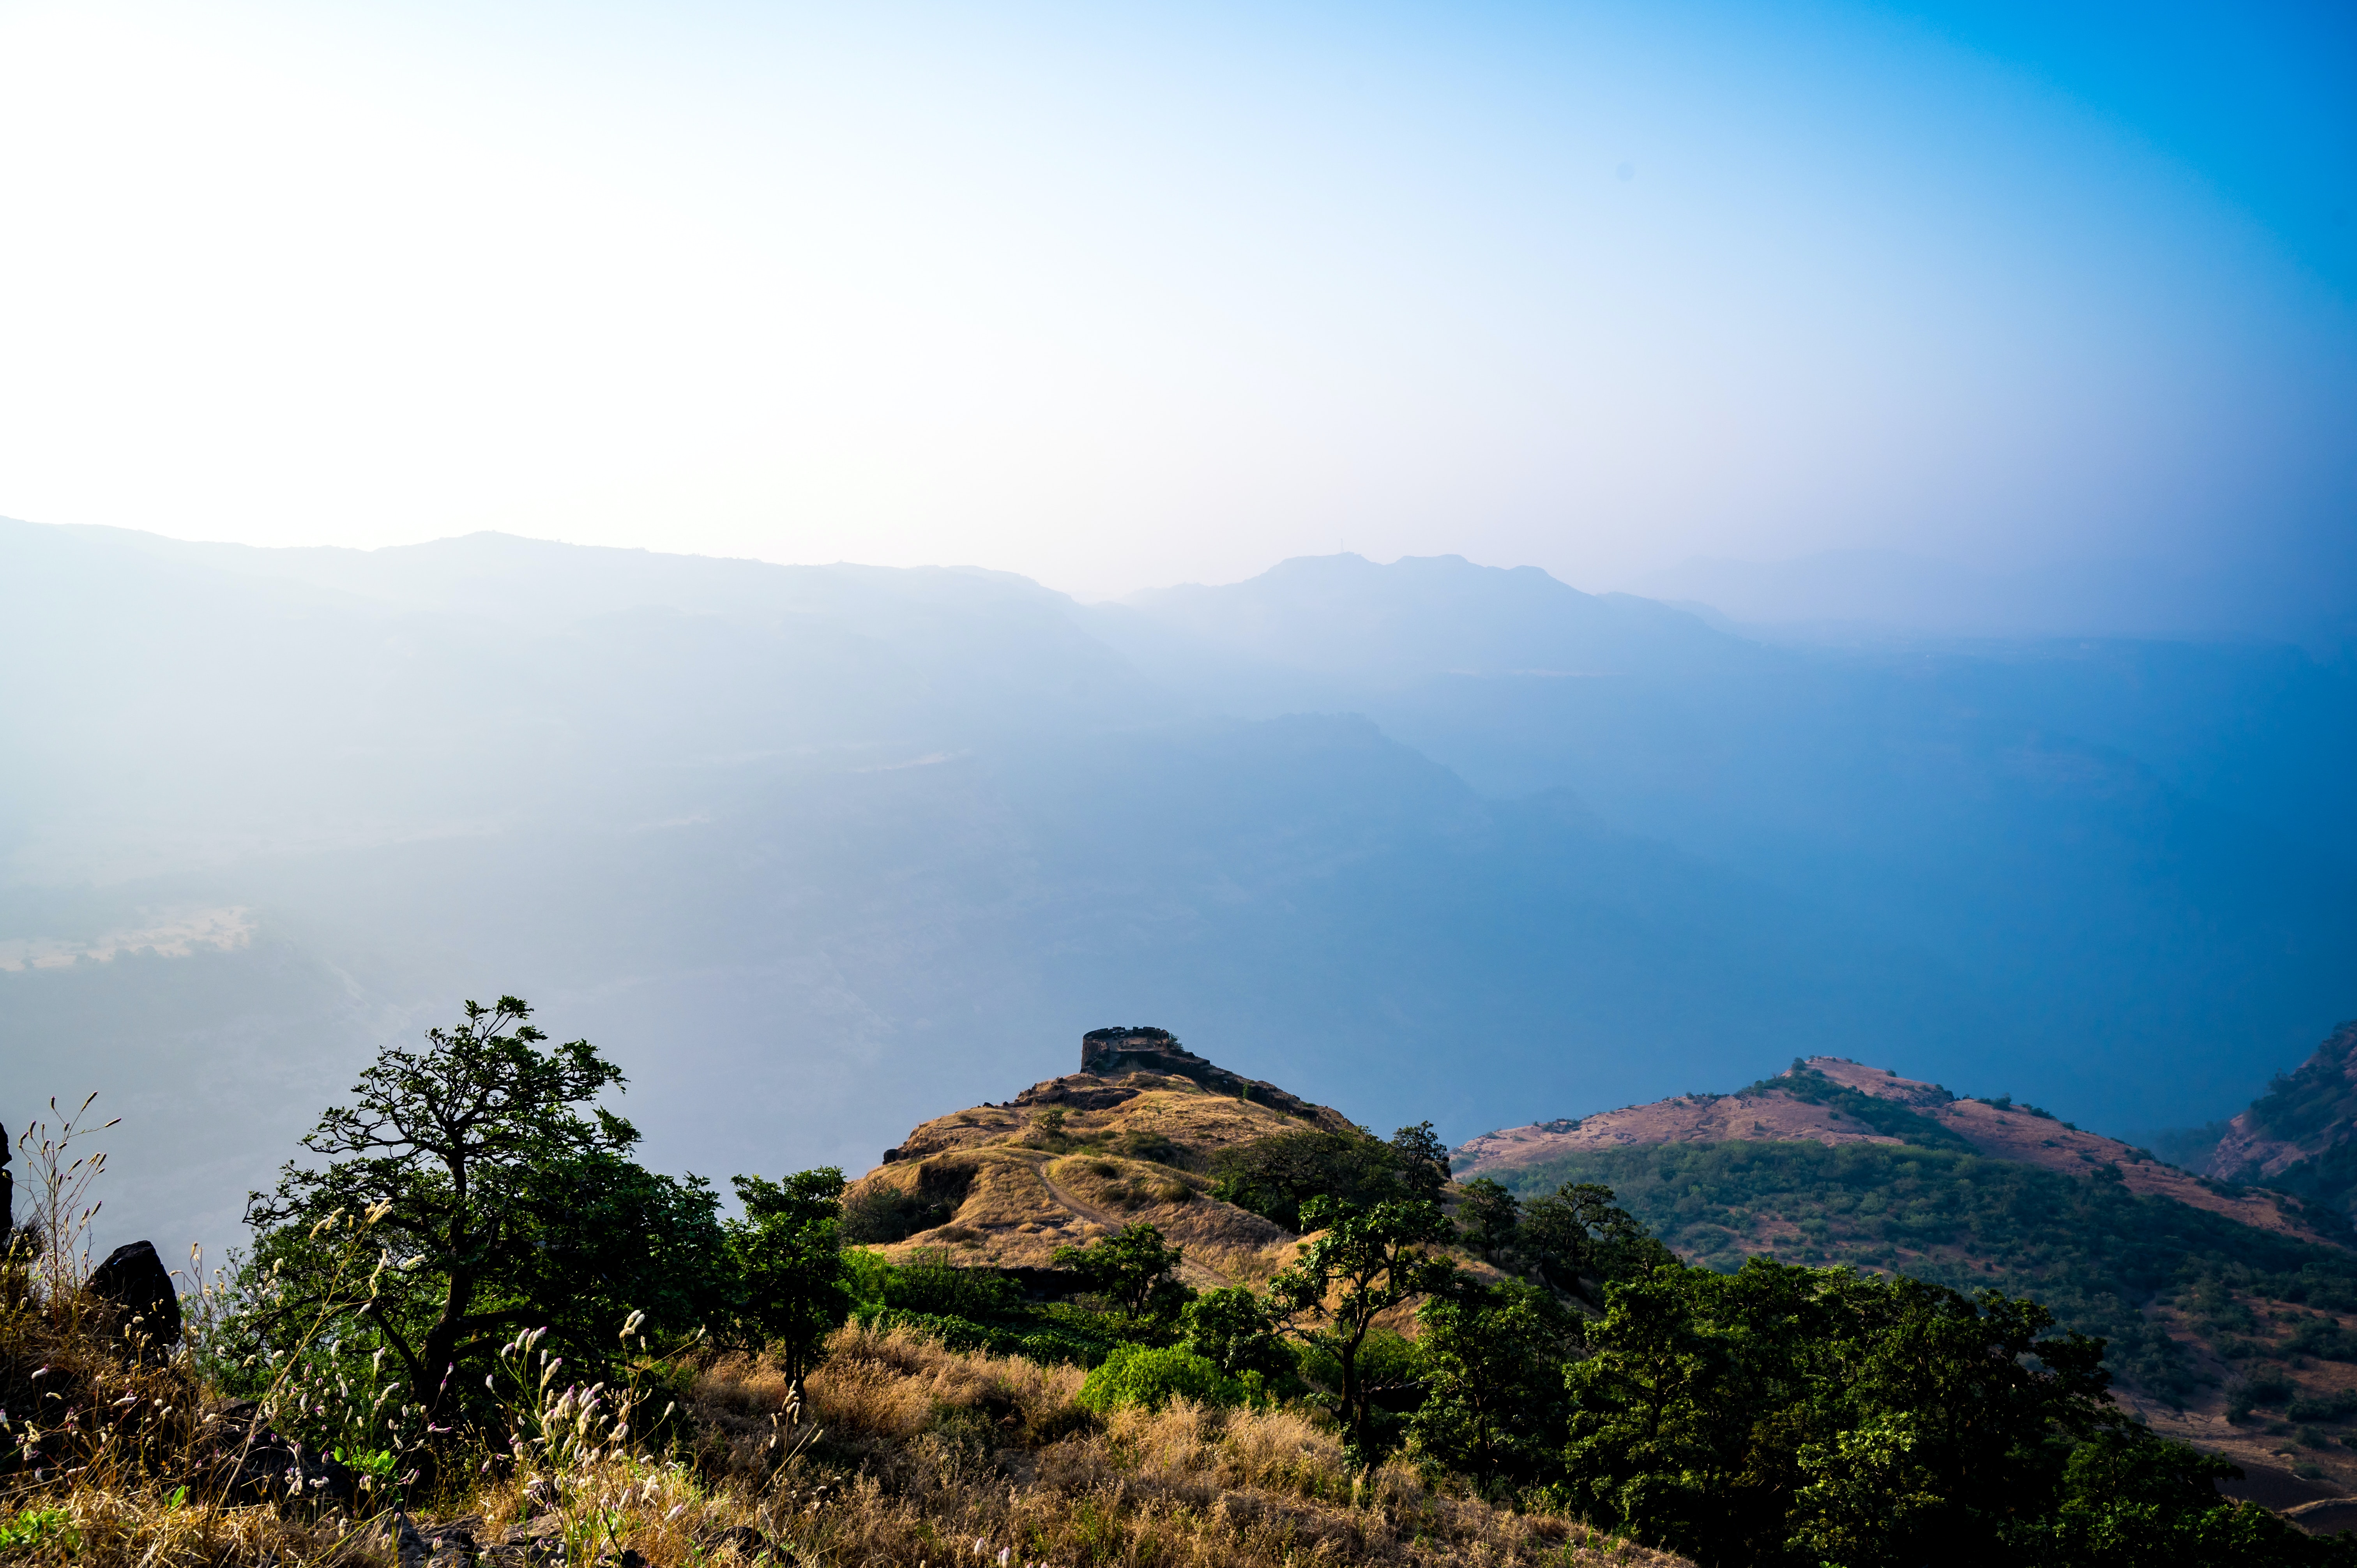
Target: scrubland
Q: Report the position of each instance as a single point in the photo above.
(899, 1450)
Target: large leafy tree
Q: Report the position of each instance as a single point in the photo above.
(1492, 1358)
(1488, 1217)
(1233, 1329)
(788, 1250)
(1362, 1262)
(504, 1198)
(1813, 1416)
(1420, 1159)
(1274, 1176)
(1579, 1240)
(1134, 1266)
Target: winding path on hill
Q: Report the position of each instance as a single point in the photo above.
(1096, 1216)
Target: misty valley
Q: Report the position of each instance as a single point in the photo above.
(1656, 937)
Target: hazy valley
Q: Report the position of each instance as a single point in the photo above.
(813, 850)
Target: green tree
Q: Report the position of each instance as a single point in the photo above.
(504, 1198)
(1488, 1217)
(2129, 1500)
(1274, 1176)
(1421, 1161)
(788, 1256)
(1233, 1329)
(1784, 1416)
(1361, 1262)
(1578, 1240)
(1492, 1358)
(1134, 1267)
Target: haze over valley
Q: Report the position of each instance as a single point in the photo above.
(813, 852)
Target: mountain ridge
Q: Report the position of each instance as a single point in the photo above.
(1774, 1110)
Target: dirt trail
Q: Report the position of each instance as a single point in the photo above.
(1095, 1215)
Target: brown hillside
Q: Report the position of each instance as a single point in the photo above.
(2011, 1132)
(1126, 1139)
(1688, 1119)
(2001, 1132)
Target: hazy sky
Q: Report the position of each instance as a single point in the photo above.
(1125, 294)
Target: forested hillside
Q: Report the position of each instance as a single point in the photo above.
(2224, 1306)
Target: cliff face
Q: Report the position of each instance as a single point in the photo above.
(2304, 1117)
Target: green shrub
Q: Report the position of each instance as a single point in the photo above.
(29, 1527)
(930, 1283)
(1145, 1376)
(878, 1216)
(2339, 1405)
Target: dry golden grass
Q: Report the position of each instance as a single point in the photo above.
(98, 1526)
(939, 1457)
(900, 1451)
(1025, 1180)
(904, 1453)
(103, 1449)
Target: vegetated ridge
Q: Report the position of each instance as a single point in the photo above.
(1834, 1100)
(629, 1378)
(2223, 1304)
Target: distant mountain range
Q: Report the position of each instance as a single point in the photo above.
(811, 851)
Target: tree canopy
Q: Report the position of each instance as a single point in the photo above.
(787, 1253)
(1134, 1267)
(504, 1198)
(1361, 1262)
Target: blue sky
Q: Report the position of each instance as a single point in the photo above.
(1125, 296)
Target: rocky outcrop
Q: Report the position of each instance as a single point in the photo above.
(1132, 1138)
(252, 1462)
(135, 1280)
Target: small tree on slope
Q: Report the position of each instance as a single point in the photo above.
(504, 1200)
(1361, 1262)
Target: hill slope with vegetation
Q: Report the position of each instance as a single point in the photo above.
(474, 1330)
(1834, 1100)
(1136, 1140)
(2300, 1137)
(2223, 1306)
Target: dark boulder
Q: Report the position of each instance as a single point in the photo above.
(135, 1280)
(252, 1462)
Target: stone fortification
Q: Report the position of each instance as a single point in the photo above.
(1110, 1055)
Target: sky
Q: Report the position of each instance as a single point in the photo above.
(1121, 296)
